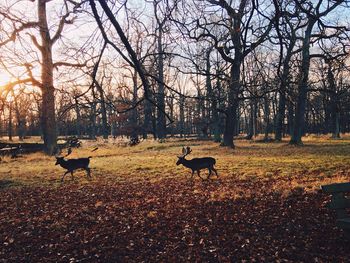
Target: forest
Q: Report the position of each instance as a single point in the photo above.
(132, 88)
(174, 68)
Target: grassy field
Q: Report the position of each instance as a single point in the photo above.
(319, 161)
(139, 206)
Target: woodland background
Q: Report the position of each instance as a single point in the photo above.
(163, 68)
(266, 79)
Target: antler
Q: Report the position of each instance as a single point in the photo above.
(188, 150)
(185, 151)
(69, 151)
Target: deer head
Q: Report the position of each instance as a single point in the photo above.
(185, 151)
(60, 159)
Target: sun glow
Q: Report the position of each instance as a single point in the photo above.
(8, 86)
(5, 79)
(9, 75)
(11, 81)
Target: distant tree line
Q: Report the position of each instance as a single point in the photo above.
(214, 69)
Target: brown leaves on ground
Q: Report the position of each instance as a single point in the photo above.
(168, 221)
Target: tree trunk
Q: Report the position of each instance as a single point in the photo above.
(133, 120)
(216, 115)
(10, 122)
(299, 118)
(327, 124)
(199, 121)
(48, 118)
(266, 117)
(230, 125)
(182, 115)
(77, 112)
(284, 84)
(210, 96)
(171, 109)
(48, 121)
(334, 107)
(105, 129)
(20, 120)
(161, 121)
(154, 123)
(216, 122)
(290, 118)
(147, 119)
(231, 112)
(93, 114)
(282, 92)
(336, 131)
(280, 114)
(253, 119)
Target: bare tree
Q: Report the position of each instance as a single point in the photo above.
(314, 12)
(234, 37)
(44, 45)
(287, 25)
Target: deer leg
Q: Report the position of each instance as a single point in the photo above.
(192, 174)
(209, 173)
(64, 176)
(88, 172)
(198, 172)
(72, 175)
(216, 173)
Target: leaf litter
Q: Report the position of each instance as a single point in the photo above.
(171, 220)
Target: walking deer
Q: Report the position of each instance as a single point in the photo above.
(197, 164)
(73, 164)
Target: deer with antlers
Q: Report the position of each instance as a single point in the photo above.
(197, 164)
(73, 164)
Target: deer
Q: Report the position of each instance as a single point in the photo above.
(197, 164)
(73, 164)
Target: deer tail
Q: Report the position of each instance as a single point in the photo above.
(89, 157)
